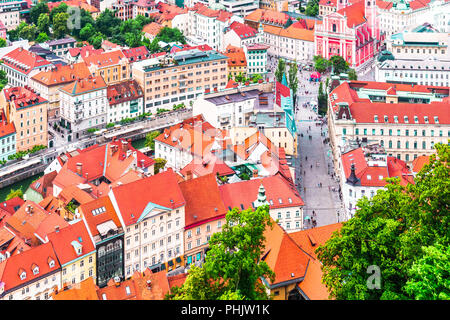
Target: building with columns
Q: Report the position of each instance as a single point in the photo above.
(351, 32)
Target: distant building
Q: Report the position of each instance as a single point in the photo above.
(20, 65)
(165, 81)
(256, 58)
(237, 62)
(112, 66)
(83, 105)
(7, 137)
(407, 120)
(363, 171)
(61, 46)
(125, 100)
(28, 111)
(420, 42)
(48, 83)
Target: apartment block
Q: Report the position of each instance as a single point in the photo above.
(180, 77)
(28, 111)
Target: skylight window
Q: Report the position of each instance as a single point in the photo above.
(375, 118)
(369, 177)
(386, 119)
(380, 177)
(436, 119)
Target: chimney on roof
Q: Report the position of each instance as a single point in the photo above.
(124, 146)
(255, 172)
(149, 284)
(189, 175)
(79, 168)
(56, 228)
(117, 281)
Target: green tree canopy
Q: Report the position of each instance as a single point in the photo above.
(15, 193)
(232, 267)
(429, 277)
(43, 23)
(320, 64)
(150, 139)
(167, 35)
(160, 163)
(281, 69)
(37, 10)
(106, 22)
(3, 79)
(60, 24)
(87, 32)
(2, 43)
(28, 32)
(312, 8)
(352, 74)
(42, 37)
(293, 81)
(339, 64)
(389, 231)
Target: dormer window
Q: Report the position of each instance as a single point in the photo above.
(386, 119)
(279, 199)
(375, 118)
(369, 177)
(35, 269)
(271, 202)
(290, 200)
(426, 119)
(436, 119)
(22, 274)
(405, 118)
(416, 119)
(380, 177)
(395, 119)
(51, 262)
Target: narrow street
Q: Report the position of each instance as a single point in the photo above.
(315, 163)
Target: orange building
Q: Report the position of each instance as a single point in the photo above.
(112, 66)
(237, 63)
(28, 112)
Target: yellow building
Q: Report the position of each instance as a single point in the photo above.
(113, 66)
(237, 63)
(28, 112)
(76, 253)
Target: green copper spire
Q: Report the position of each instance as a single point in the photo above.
(262, 199)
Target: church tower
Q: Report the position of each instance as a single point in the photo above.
(341, 4)
(371, 16)
(262, 199)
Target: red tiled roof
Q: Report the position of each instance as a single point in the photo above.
(152, 28)
(236, 56)
(28, 223)
(62, 242)
(363, 110)
(419, 163)
(209, 164)
(105, 59)
(12, 205)
(44, 185)
(242, 30)
(24, 61)
(268, 16)
(355, 13)
(177, 280)
(11, 268)
(62, 74)
(203, 200)
(5, 128)
(92, 220)
(22, 97)
(124, 91)
(242, 194)
(386, 5)
(283, 255)
(81, 86)
(417, 4)
(85, 51)
(85, 290)
(161, 189)
(136, 54)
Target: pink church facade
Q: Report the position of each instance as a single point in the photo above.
(351, 32)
